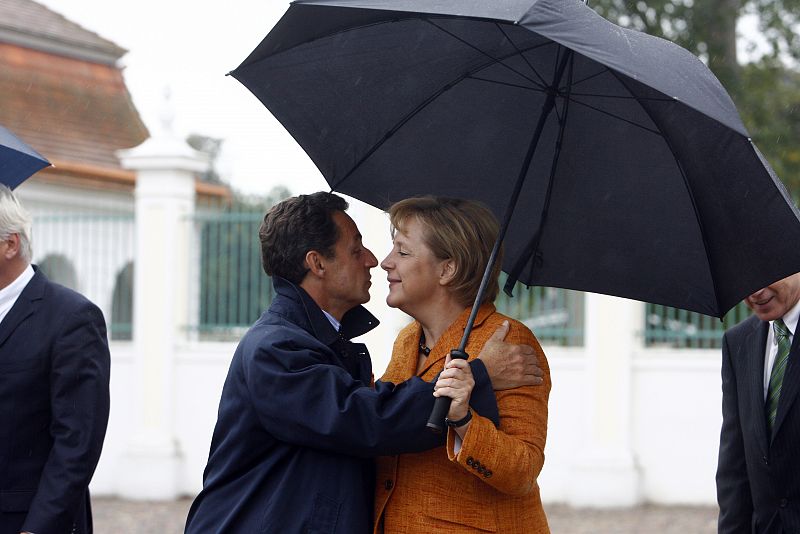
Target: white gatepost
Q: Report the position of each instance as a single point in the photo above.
(604, 472)
(165, 169)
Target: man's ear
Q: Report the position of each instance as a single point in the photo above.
(12, 250)
(316, 263)
(448, 272)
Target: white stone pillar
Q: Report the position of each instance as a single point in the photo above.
(165, 197)
(604, 472)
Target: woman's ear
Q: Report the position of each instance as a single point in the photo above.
(316, 263)
(448, 272)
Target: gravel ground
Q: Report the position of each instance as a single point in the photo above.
(114, 516)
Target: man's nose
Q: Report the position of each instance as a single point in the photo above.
(372, 261)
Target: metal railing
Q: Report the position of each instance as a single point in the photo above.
(673, 328)
(231, 288)
(554, 315)
(91, 253)
(94, 254)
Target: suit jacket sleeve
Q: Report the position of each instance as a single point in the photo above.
(733, 486)
(513, 454)
(79, 380)
(302, 398)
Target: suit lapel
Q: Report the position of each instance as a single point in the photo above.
(791, 383)
(754, 354)
(25, 306)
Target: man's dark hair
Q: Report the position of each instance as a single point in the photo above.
(295, 226)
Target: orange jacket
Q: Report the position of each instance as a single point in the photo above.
(490, 485)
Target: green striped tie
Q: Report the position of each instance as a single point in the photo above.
(778, 369)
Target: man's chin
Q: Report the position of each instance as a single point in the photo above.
(767, 313)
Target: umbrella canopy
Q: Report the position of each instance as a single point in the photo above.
(635, 176)
(17, 160)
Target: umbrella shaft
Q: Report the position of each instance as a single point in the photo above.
(547, 108)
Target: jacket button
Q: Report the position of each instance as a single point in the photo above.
(488, 473)
(388, 484)
(766, 462)
(784, 503)
(470, 461)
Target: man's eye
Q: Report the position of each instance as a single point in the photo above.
(401, 253)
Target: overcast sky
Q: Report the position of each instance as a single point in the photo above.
(189, 46)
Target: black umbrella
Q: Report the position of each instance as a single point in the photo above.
(629, 166)
(17, 160)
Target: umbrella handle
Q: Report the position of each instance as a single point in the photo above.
(442, 404)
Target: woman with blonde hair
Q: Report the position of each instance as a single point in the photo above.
(484, 478)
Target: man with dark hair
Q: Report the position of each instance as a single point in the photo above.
(54, 398)
(298, 422)
(295, 226)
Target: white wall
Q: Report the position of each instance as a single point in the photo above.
(675, 413)
(676, 418)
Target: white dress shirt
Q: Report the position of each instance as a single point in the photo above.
(790, 320)
(10, 293)
(331, 319)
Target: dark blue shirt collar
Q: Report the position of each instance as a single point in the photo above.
(356, 322)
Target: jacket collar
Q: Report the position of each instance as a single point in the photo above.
(296, 304)
(451, 338)
(27, 303)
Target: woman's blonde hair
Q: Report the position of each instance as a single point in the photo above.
(460, 230)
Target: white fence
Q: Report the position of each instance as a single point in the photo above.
(674, 413)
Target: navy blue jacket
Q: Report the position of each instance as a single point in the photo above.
(298, 425)
(54, 402)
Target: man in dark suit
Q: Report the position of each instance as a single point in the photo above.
(298, 421)
(54, 399)
(758, 476)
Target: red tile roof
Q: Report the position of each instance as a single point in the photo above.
(31, 24)
(66, 108)
(62, 93)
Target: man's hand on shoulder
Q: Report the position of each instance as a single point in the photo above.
(509, 365)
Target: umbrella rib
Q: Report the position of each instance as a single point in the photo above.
(688, 191)
(533, 69)
(532, 248)
(616, 117)
(411, 114)
(595, 75)
(508, 84)
(494, 59)
(623, 97)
